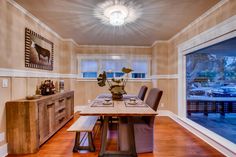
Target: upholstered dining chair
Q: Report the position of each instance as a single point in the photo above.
(143, 127)
(142, 92)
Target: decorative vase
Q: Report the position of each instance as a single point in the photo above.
(117, 92)
(117, 85)
(117, 96)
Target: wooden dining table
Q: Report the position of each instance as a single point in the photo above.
(121, 108)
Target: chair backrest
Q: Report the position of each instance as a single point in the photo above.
(142, 92)
(153, 99)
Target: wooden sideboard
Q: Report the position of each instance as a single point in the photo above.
(32, 122)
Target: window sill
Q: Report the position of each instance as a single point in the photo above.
(130, 79)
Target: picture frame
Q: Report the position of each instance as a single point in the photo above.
(38, 51)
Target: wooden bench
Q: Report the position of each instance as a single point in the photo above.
(83, 124)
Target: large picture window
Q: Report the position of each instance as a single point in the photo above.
(211, 88)
(91, 66)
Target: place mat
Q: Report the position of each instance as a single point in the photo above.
(125, 97)
(138, 104)
(104, 96)
(100, 104)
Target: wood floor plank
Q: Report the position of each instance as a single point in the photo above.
(171, 140)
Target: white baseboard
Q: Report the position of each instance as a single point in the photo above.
(3, 150)
(229, 151)
(2, 136)
(164, 113)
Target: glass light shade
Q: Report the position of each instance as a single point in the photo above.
(116, 14)
(117, 18)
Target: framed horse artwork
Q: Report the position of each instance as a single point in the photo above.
(38, 51)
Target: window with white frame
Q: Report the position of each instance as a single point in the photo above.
(89, 68)
(92, 66)
(140, 68)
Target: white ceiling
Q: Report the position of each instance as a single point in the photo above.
(160, 20)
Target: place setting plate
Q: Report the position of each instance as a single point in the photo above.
(133, 102)
(103, 103)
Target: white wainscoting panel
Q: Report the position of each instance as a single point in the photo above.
(3, 150)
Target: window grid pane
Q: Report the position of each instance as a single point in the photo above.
(89, 74)
(140, 66)
(89, 65)
(119, 74)
(138, 75)
(110, 74)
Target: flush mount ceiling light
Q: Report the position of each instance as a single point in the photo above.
(117, 13)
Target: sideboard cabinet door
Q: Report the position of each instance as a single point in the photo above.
(69, 106)
(46, 120)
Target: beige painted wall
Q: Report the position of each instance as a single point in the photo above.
(160, 58)
(160, 67)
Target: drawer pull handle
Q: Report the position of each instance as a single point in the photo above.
(60, 120)
(61, 110)
(50, 105)
(61, 100)
(68, 98)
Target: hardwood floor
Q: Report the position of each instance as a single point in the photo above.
(171, 140)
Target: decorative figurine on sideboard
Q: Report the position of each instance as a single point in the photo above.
(47, 87)
(61, 86)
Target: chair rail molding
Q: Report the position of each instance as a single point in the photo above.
(220, 32)
(5, 72)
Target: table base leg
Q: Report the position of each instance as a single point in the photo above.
(104, 153)
(104, 136)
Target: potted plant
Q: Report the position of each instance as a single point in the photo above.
(116, 85)
(47, 87)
